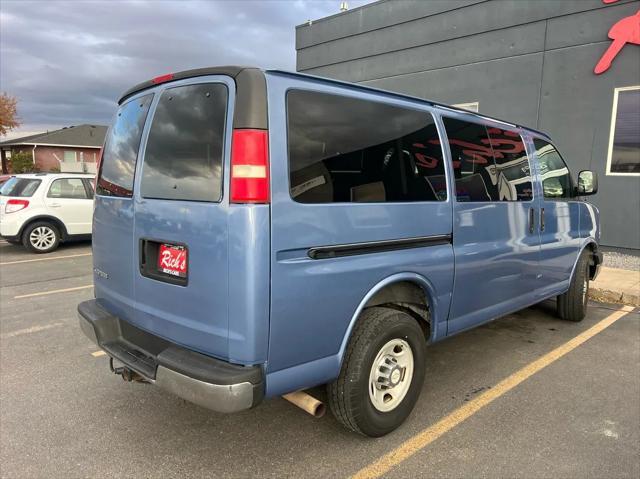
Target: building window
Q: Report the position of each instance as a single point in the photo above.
(623, 157)
(70, 156)
(473, 106)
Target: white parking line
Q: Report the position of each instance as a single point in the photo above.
(97, 354)
(33, 329)
(46, 259)
(55, 291)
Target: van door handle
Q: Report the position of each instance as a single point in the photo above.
(532, 220)
(55, 205)
(541, 219)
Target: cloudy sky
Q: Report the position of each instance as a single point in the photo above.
(68, 61)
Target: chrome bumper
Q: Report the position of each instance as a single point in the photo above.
(200, 379)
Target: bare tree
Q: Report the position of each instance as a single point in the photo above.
(8, 113)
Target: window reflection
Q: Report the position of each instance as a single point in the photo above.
(556, 180)
(183, 158)
(121, 148)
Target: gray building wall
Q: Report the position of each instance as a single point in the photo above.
(529, 62)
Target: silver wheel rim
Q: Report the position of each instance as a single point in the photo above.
(391, 375)
(585, 290)
(42, 238)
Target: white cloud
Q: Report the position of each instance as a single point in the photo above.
(68, 61)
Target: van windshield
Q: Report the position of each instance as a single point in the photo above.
(183, 157)
(20, 187)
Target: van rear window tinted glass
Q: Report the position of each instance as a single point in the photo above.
(118, 164)
(183, 157)
(344, 149)
(20, 187)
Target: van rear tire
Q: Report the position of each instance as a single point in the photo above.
(382, 373)
(572, 305)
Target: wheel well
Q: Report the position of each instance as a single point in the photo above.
(407, 297)
(592, 248)
(49, 219)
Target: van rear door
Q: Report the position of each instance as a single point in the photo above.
(180, 227)
(114, 263)
(160, 223)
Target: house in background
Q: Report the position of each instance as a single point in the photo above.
(70, 149)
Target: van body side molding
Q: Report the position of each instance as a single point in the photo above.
(351, 249)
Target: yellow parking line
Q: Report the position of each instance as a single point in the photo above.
(46, 259)
(97, 354)
(55, 291)
(430, 434)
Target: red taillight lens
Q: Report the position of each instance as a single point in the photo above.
(15, 205)
(250, 166)
(162, 78)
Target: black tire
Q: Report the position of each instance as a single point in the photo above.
(349, 396)
(572, 305)
(48, 230)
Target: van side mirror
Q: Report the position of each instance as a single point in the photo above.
(587, 183)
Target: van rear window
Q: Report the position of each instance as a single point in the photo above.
(183, 157)
(344, 149)
(118, 164)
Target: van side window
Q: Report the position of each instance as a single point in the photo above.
(512, 173)
(183, 157)
(121, 148)
(344, 149)
(556, 180)
(472, 157)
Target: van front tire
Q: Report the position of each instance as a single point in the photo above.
(572, 305)
(382, 373)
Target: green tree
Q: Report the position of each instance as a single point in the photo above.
(22, 162)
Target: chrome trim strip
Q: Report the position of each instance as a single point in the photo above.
(350, 249)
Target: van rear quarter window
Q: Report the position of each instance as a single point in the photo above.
(118, 164)
(344, 149)
(183, 157)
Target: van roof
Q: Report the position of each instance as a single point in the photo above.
(249, 117)
(410, 97)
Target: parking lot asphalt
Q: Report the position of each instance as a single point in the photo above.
(63, 414)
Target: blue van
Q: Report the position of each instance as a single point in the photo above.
(258, 233)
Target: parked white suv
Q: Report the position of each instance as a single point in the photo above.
(42, 209)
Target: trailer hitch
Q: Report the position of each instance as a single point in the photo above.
(126, 373)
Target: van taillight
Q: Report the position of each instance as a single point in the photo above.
(250, 166)
(15, 205)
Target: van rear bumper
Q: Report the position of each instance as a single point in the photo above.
(203, 380)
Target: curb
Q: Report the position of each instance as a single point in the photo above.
(607, 296)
